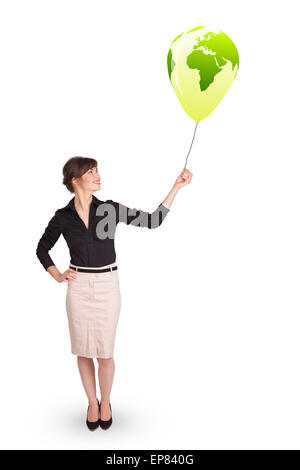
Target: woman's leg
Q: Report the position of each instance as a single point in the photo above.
(87, 373)
(106, 372)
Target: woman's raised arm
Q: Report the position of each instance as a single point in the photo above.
(140, 218)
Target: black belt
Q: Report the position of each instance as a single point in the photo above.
(82, 270)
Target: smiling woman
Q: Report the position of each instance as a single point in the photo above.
(80, 168)
(93, 299)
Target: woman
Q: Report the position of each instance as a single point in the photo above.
(93, 299)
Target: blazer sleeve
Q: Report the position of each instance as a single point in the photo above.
(138, 217)
(48, 240)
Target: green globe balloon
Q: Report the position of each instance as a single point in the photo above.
(202, 65)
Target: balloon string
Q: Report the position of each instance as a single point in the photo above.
(191, 144)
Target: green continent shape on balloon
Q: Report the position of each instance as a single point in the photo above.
(222, 45)
(209, 65)
(171, 63)
(206, 64)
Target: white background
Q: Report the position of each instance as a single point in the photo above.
(207, 347)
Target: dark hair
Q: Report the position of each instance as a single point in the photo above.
(75, 167)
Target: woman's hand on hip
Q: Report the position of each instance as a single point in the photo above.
(67, 276)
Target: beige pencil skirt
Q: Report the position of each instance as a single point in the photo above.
(93, 304)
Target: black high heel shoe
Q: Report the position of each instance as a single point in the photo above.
(102, 423)
(92, 425)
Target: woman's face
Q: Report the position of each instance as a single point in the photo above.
(90, 180)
